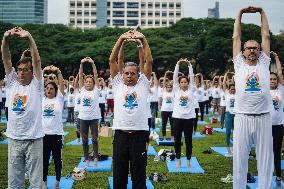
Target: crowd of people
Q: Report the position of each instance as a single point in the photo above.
(248, 100)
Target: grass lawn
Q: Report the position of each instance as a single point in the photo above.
(215, 166)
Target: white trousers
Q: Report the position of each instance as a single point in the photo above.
(248, 130)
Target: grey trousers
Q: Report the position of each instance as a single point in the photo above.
(22, 155)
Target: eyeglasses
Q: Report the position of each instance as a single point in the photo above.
(24, 70)
(252, 48)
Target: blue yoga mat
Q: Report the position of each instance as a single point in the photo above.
(202, 122)
(4, 141)
(221, 150)
(66, 133)
(151, 151)
(219, 130)
(69, 125)
(75, 142)
(63, 120)
(168, 142)
(282, 164)
(254, 185)
(3, 121)
(103, 166)
(65, 182)
(196, 135)
(149, 185)
(195, 167)
(205, 115)
(155, 130)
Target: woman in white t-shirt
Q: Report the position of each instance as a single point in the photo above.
(70, 105)
(52, 109)
(222, 107)
(277, 94)
(89, 112)
(102, 99)
(109, 98)
(184, 110)
(153, 98)
(167, 106)
(216, 94)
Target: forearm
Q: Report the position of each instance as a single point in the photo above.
(35, 57)
(265, 36)
(141, 60)
(6, 55)
(81, 79)
(175, 76)
(60, 82)
(121, 57)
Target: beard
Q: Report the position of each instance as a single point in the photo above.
(252, 57)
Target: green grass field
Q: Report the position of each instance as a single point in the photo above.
(215, 166)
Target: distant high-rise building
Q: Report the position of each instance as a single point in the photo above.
(214, 12)
(23, 11)
(87, 14)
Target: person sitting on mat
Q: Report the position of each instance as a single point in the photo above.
(131, 85)
(183, 112)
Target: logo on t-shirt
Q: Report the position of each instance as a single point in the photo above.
(168, 100)
(19, 103)
(79, 101)
(87, 101)
(275, 103)
(109, 92)
(130, 101)
(252, 83)
(232, 102)
(71, 98)
(48, 110)
(101, 95)
(183, 101)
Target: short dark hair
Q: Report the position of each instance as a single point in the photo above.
(25, 60)
(231, 85)
(273, 73)
(181, 77)
(53, 84)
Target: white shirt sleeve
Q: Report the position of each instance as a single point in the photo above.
(263, 58)
(117, 80)
(11, 78)
(238, 60)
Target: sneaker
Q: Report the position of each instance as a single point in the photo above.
(227, 179)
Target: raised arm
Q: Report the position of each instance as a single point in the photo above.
(95, 73)
(225, 81)
(237, 34)
(81, 76)
(141, 57)
(278, 68)
(156, 82)
(175, 76)
(121, 57)
(265, 36)
(34, 52)
(5, 50)
(76, 82)
(60, 80)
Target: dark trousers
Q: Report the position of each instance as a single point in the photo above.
(6, 112)
(165, 117)
(277, 134)
(195, 120)
(154, 113)
(129, 148)
(77, 123)
(201, 110)
(70, 117)
(186, 126)
(210, 100)
(52, 144)
(85, 126)
(207, 106)
(102, 107)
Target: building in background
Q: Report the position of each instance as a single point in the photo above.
(214, 12)
(23, 11)
(87, 14)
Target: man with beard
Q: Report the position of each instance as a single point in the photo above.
(252, 107)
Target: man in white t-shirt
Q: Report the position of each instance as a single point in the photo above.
(252, 105)
(24, 127)
(131, 90)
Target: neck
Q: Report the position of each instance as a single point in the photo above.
(251, 63)
(273, 88)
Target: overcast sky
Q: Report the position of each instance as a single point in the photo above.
(58, 10)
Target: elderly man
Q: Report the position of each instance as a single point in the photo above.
(131, 89)
(24, 87)
(253, 102)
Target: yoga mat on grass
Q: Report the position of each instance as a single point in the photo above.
(69, 125)
(75, 142)
(155, 130)
(4, 141)
(168, 142)
(282, 164)
(254, 185)
(103, 166)
(196, 135)
(205, 115)
(151, 151)
(149, 184)
(195, 167)
(202, 122)
(66, 133)
(65, 182)
(219, 130)
(221, 150)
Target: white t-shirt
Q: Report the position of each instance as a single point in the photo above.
(70, 100)
(184, 105)
(1, 94)
(199, 93)
(160, 92)
(89, 108)
(24, 108)
(77, 100)
(277, 114)
(252, 85)
(131, 106)
(216, 92)
(102, 97)
(153, 94)
(210, 92)
(205, 96)
(168, 101)
(229, 102)
(223, 98)
(52, 115)
(109, 93)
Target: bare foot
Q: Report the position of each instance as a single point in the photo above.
(95, 162)
(56, 185)
(188, 164)
(44, 185)
(87, 163)
(178, 163)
